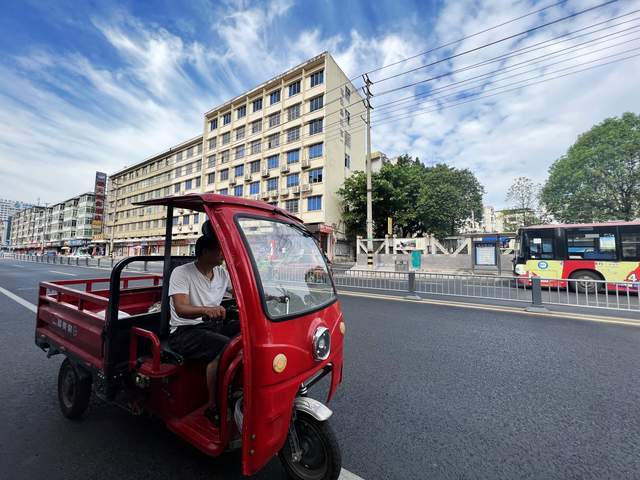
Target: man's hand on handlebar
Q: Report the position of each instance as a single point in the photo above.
(214, 313)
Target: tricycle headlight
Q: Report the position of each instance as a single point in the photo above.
(520, 269)
(321, 343)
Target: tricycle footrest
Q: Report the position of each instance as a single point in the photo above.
(198, 430)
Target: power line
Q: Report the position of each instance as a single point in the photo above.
(495, 42)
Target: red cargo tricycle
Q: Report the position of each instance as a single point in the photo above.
(291, 337)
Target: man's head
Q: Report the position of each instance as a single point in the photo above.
(208, 250)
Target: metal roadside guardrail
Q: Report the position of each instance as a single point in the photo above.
(537, 292)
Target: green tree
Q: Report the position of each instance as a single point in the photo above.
(598, 178)
(522, 196)
(420, 199)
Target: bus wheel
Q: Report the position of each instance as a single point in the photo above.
(584, 282)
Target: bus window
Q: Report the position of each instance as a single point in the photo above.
(541, 248)
(591, 244)
(630, 241)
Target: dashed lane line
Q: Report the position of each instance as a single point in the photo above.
(19, 300)
(64, 273)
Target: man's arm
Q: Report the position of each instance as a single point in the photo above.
(184, 308)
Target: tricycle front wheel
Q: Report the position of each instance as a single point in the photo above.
(74, 390)
(321, 457)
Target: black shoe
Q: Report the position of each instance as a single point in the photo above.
(212, 415)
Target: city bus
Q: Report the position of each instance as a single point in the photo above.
(583, 252)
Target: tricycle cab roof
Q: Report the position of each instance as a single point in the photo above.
(197, 202)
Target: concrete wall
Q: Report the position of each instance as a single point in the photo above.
(434, 263)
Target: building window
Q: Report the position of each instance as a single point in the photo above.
(347, 160)
(196, 218)
(185, 220)
(293, 134)
(226, 138)
(197, 182)
(256, 126)
(254, 166)
(223, 191)
(315, 175)
(241, 111)
(239, 151)
(226, 118)
(272, 184)
(224, 174)
(347, 139)
(211, 178)
(294, 88)
(272, 162)
(238, 170)
(347, 116)
(176, 188)
(315, 150)
(239, 133)
(174, 221)
(238, 190)
(212, 143)
(293, 180)
(347, 93)
(293, 112)
(224, 156)
(274, 120)
(257, 104)
(273, 140)
(213, 124)
(274, 97)
(315, 126)
(314, 203)
(178, 158)
(317, 78)
(293, 156)
(254, 188)
(211, 160)
(291, 205)
(316, 103)
(188, 185)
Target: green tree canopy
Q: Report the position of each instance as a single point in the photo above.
(420, 199)
(598, 178)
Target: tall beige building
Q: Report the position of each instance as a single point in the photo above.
(290, 142)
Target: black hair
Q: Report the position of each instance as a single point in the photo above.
(206, 241)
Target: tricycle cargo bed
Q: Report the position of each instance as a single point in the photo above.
(71, 314)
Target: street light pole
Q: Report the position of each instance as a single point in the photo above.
(367, 104)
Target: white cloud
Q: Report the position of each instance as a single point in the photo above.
(64, 115)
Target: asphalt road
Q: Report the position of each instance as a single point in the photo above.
(430, 391)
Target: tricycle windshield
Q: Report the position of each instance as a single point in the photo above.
(289, 267)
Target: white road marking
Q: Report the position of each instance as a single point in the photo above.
(347, 475)
(64, 273)
(26, 288)
(17, 266)
(19, 300)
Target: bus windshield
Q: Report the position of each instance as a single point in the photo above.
(289, 266)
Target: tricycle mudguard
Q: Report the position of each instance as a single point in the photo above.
(313, 407)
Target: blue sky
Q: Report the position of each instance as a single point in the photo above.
(88, 86)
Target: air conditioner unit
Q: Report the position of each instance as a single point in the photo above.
(284, 192)
(265, 195)
(284, 168)
(255, 197)
(305, 188)
(247, 177)
(265, 172)
(232, 180)
(181, 211)
(273, 193)
(190, 227)
(306, 163)
(179, 228)
(295, 190)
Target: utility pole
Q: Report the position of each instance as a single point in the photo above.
(113, 220)
(367, 104)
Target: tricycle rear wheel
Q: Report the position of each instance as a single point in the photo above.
(74, 390)
(321, 457)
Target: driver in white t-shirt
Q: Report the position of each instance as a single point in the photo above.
(196, 290)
